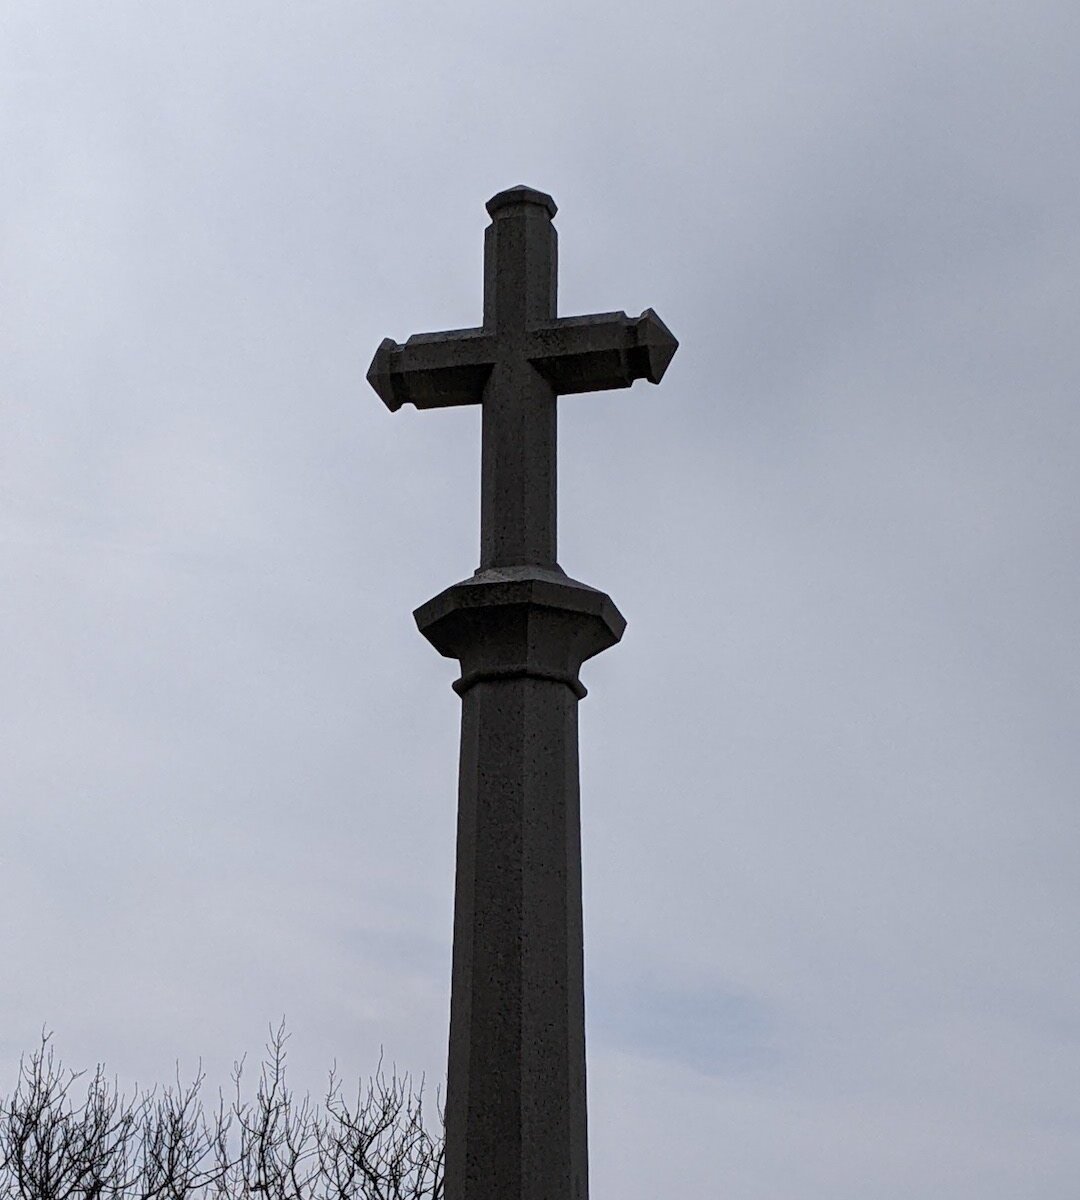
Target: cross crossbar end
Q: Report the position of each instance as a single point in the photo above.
(432, 370)
(654, 347)
(380, 377)
(608, 350)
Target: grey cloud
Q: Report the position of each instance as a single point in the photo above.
(829, 777)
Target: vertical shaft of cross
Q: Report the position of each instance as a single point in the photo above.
(518, 480)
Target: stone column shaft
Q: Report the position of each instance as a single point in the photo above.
(516, 1098)
(515, 1110)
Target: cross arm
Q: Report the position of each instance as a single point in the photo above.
(433, 370)
(609, 350)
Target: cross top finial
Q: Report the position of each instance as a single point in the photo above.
(514, 366)
(521, 194)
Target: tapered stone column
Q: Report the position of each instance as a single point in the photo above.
(515, 1111)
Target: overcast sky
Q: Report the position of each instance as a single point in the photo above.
(830, 802)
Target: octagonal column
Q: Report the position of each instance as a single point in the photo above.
(515, 1111)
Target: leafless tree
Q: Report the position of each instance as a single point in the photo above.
(165, 1144)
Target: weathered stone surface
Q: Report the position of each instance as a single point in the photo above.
(521, 195)
(507, 622)
(521, 629)
(515, 365)
(516, 1110)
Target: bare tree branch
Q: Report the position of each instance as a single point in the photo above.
(165, 1145)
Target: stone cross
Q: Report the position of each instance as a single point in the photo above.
(521, 628)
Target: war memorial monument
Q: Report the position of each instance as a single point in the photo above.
(521, 629)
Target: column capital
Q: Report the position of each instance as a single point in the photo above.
(514, 622)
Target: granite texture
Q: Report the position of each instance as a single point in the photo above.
(516, 1124)
(515, 365)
